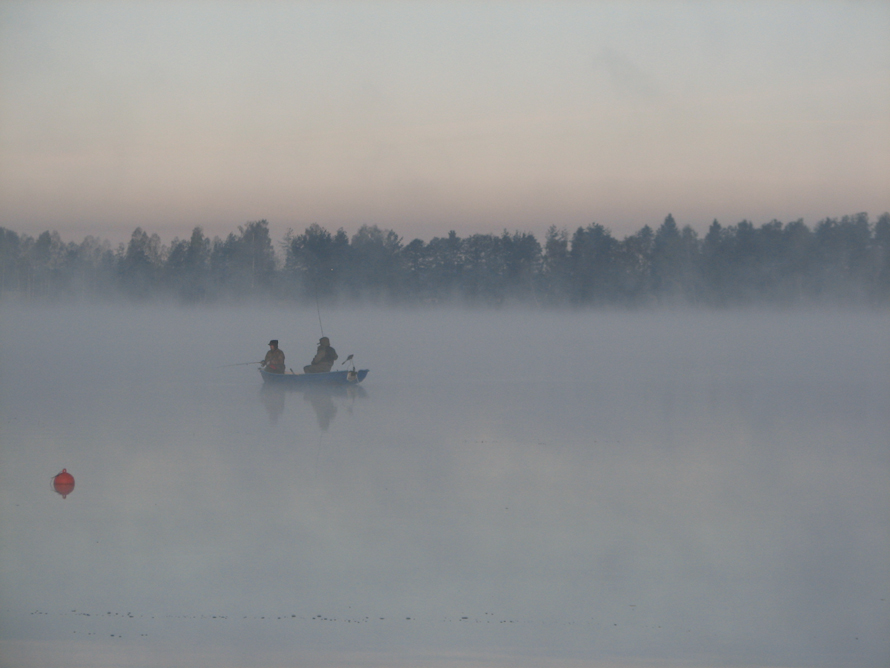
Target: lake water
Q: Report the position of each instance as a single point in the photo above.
(506, 488)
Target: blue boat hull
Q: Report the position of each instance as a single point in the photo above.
(302, 379)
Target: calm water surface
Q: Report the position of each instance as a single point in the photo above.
(505, 489)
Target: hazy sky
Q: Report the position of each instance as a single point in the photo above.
(425, 117)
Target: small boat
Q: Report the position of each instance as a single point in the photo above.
(350, 377)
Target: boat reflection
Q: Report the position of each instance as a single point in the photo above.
(324, 400)
(273, 399)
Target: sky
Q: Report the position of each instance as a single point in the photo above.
(426, 117)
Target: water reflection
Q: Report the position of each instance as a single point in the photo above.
(273, 399)
(324, 400)
(323, 404)
(672, 493)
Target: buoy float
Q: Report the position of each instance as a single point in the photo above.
(63, 483)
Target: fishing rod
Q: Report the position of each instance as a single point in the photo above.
(317, 307)
(238, 364)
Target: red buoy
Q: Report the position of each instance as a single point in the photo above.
(63, 483)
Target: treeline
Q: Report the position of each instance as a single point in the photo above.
(839, 261)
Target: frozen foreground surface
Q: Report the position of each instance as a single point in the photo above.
(507, 489)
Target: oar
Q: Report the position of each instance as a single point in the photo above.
(346, 360)
(238, 364)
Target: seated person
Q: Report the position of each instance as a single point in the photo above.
(274, 361)
(324, 358)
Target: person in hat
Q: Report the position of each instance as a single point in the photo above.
(324, 359)
(274, 361)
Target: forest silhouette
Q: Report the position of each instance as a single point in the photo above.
(838, 261)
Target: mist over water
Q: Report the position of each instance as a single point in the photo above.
(506, 487)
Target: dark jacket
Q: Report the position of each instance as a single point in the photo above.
(274, 361)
